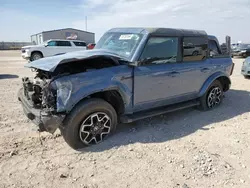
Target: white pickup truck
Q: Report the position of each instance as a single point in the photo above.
(51, 48)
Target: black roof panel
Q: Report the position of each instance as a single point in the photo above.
(159, 31)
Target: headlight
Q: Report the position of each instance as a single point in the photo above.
(243, 51)
(64, 89)
(26, 49)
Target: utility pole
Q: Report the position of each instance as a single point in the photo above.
(86, 23)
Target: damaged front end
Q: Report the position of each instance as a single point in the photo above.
(38, 98)
(46, 97)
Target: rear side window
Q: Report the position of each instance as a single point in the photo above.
(160, 50)
(80, 44)
(63, 43)
(194, 48)
(213, 48)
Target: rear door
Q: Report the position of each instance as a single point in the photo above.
(64, 47)
(195, 65)
(79, 45)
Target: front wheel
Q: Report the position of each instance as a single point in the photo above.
(89, 123)
(36, 56)
(213, 97)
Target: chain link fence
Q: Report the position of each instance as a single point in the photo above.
(13, 45)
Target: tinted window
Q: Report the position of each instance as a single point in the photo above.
(80, 43)
(63, 43)
(213, 48)
(194, 48)
(52, 43)
(160, 50)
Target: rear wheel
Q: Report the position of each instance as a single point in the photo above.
(195, 53)
(213, 97)
(89, 123)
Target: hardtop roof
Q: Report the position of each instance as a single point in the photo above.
(159, 31)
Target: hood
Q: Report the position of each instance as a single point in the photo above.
(32, 46)
(50, 63)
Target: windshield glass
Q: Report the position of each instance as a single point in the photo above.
(123, 44)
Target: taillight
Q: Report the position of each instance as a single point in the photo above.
(90, 46)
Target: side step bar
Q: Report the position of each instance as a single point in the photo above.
(158, 111)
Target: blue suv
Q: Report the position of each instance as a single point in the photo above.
(132, 73)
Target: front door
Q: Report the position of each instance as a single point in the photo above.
(156, 78)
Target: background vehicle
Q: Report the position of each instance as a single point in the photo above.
(191, 50)
(51, 48)
(245, 70)
(90, 46)
(132, 73)
(242, 50)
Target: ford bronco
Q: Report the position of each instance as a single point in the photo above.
(132, 73)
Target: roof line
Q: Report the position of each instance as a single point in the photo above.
(63, 29)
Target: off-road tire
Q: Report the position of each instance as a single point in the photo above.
(70, 128)
(204, 99)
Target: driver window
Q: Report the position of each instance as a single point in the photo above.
(160, 50)
(52, 43)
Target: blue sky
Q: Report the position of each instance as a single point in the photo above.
(21, 18)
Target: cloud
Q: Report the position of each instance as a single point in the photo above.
(221, 18)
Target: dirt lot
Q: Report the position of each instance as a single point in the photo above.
(184, 149)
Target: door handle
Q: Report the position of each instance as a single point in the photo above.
(205, 69)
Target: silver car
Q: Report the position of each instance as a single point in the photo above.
(245, 70)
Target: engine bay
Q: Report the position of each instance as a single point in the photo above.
(40, 93)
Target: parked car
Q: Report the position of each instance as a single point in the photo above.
(191, 50)
(133, 73)
(242, 50)
(90, 46)
(245, 70)
(51, 48)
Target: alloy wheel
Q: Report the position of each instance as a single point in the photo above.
(214, 97)
(95, 128)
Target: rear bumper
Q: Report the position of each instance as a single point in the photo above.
(240, 54)
(44, 121)
(245, 71)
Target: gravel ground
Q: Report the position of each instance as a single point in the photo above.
(183, 149)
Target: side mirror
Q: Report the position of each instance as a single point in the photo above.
(45, 45)
(212, 53)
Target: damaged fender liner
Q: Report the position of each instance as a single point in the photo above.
(44, 121)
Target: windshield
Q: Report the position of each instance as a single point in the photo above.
(123, 44)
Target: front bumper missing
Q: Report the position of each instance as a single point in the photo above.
(44, 121)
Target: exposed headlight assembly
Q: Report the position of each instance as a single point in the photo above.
(64, 90)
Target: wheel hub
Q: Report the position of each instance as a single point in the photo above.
(214, 97)
(94, 128)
